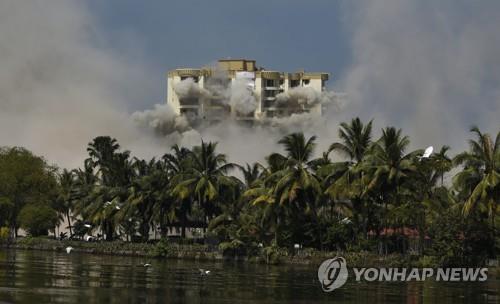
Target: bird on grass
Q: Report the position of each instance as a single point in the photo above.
(69, 249)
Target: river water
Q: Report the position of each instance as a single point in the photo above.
(52, 277)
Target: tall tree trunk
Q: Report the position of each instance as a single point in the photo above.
(163, 232)
(493, 230)
(364, 219)
(276, 230)
(320, 235)
(183, 223)
(69, 224)
(108, 231)
(145, 230)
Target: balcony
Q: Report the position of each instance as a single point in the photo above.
(269, 103)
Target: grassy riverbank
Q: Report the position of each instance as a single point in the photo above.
(268, 255)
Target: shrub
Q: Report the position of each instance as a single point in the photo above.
(161, 249)
(273, 254)
(37, 219)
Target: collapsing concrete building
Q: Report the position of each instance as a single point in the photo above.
(237, 88)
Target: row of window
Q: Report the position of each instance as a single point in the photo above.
(267, 83)
(293, 83)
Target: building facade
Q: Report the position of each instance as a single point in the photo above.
(238, 88)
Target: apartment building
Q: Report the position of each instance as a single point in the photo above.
(243, 91)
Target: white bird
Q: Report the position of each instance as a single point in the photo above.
(68, 249)
(147, 265)
(87, 225)
(428, 152)
(107, 203)
(296, 246)
(117, 208)
(204, 272)
(261, 245)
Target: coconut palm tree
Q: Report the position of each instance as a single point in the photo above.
(142, 195)
(177, 165)
(291, 182)
(345, 179)
(85, 181)
(107, 196)
(480, 177)
(111, 165)
(66, 196)
(261, 194)
(251, 173)
(355, 139)
(297, 183)
(387, 161)
(204, 178)
(420, 194)
(442, 163)
(387, 167)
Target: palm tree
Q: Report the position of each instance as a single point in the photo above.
(103, 205)
(85, 181)
(344, 179)
(251, 173)
(66, 196)
(293, 184)
(355, 139)
(203, 178)
(261, 194)
(442, 163)
(102, 149)
(142, 195)
(388, 162)
(480, 177)
(420, 196)
(103, 155)
(297, 182)
(177, 165)
(115, 174)
(387, 167)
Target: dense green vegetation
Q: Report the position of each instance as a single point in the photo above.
(363, 194)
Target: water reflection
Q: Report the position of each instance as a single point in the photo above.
(36, 277)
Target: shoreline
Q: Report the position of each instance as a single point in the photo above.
(199, 252)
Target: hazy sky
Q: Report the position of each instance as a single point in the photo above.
(73, 70)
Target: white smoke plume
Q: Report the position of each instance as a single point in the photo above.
(242, 97)
(306, 96)
(162, 119)
(429, 67)
(60, 87)
(189, 88)
(238, 94)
